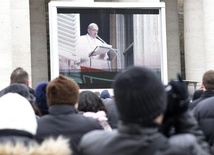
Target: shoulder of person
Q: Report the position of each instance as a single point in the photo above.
(186, 144)
(95, 138)
(82, 37)
(87, 121)
(98, 135)
(2, 92)
(204, 105)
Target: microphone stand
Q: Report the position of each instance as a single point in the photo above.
(101, 39)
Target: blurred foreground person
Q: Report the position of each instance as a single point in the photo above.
(63, 118)
(18, 128)
(141, 102)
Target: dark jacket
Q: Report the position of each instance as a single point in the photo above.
(204, 113)
(197, 94)
(206, 94)
(135, 140)
(65, 120)
(112, 113)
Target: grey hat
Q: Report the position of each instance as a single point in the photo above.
(20, 89)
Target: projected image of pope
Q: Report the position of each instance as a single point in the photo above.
(86, 45)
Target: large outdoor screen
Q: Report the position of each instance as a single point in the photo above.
(92, 43)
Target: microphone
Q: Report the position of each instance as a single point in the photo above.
(100, 39)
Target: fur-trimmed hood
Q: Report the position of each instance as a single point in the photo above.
(101, 117)
(59, 146)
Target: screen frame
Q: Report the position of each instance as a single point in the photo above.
(54, 5)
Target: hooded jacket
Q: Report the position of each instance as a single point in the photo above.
(101, 117)
(65, 120)
(204, 113)
(133, 139)
(18, 127)
(59, 146)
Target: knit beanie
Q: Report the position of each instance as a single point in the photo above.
(40, 95)
(17, 113)
(62, 90)
(139, 95)
(105, 94)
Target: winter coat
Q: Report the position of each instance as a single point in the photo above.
(204, 113)
(112, 113)
(14, 142)
(65, 120)
(133, 139)
(206, 94)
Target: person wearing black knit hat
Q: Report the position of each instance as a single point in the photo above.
(139, 96)
(141, 100)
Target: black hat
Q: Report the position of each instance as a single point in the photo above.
(139, 95)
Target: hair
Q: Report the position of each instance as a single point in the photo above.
(92, 25)
(19, 75)
(90, 102)
(97, 93)
(208, 80)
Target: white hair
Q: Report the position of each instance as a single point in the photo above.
(92, 25)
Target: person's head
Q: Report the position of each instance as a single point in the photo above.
(208, 80)
(62, 90)
(16, 113)
(90, 102)
(105, 94)
(40, 95)
(139, 95)
(19, 75)
(93, 30)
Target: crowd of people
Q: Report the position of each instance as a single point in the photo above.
(142, 117)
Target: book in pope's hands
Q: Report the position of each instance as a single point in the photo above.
(99, 50)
